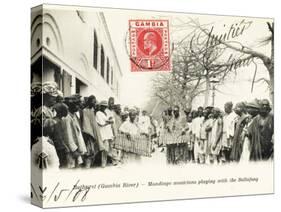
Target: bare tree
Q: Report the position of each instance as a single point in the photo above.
(196, 61)
(244, 55)
(184, 83)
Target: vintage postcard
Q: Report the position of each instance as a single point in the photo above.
(133, 106)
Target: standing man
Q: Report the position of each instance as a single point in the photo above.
(261, 132)
(105, 128)
(144, 123)
(117, 117)
(90, 130)
(176, 144)
(238, 140)
(188, 136)
(229, 120)
(216, 136)
(196, 127)
(110, 113)
(205, 136)
(73, 133)
(253, 109)
(59, 138)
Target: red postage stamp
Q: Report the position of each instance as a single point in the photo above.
(149, 45)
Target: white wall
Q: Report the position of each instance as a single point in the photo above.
(69, 39)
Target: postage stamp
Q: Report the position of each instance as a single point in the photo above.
(149, 45)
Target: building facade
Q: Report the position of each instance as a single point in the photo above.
(74, 49)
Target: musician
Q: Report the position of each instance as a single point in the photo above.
(177, 150)
(130, 129)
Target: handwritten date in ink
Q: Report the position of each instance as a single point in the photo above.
(57, 193)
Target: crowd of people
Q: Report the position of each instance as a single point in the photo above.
(209, 135)
(80, 132)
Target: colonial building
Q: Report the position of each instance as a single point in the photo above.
(75, 50)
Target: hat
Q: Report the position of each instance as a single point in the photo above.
(103, 102)
(253, 104)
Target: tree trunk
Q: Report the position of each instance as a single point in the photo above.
(269, 64)
(207, 92)
(189, 101)
(271, 86)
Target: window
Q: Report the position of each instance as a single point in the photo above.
(111, 76)
(102, 62)
(107, 70)
(95, 53)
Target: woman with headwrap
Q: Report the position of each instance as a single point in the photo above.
(43, 97)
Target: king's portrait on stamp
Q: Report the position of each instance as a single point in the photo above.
(149, 45)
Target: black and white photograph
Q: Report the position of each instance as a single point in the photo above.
(175, 104)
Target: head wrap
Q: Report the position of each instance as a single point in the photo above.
(132, 111)
(50, 88)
